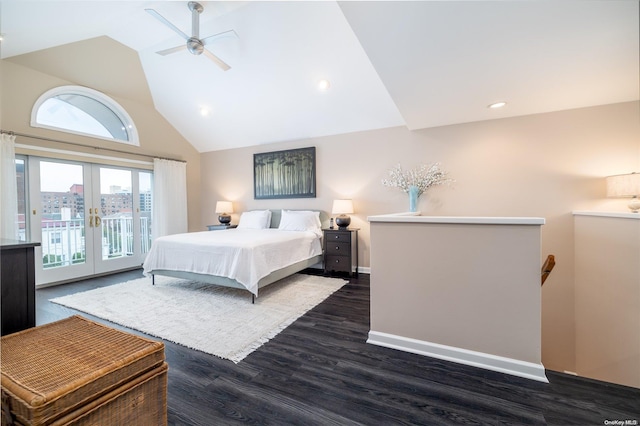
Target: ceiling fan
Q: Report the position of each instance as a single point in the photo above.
(194, 44)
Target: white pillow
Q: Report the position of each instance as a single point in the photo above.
(256, 219)
(300, 220)
(308, 213)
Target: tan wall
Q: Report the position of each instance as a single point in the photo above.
(443, 283)
(543, 165)
(21, 87)
(608, 298)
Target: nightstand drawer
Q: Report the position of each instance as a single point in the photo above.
(339, 249)
(338, 263)
(337, 236)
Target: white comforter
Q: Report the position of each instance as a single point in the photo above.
(245, 255)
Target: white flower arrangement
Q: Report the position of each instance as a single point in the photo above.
(422, 178)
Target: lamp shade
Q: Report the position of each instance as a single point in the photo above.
(342, 207)
(623, 185)
(224, 207)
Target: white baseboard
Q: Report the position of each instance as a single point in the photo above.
(511, 366)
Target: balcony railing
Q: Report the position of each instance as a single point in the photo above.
(63, 241)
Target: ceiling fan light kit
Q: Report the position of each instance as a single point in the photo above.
(194, 44)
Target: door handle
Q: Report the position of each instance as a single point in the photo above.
(98, 221)
(90, 221)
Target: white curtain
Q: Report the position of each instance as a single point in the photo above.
(8, 187)
(169, 198)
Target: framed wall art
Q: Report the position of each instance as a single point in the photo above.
(285, 174)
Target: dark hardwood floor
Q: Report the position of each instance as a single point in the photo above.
(321, 371)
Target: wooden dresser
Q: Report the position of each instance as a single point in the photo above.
(18, 283)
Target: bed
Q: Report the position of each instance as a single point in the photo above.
(267, 245)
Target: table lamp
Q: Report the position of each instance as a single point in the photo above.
(625, 186)
(224, 208)
(341, 208)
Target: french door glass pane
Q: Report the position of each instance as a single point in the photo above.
(145, 210)
(62, 207)
(116, 206)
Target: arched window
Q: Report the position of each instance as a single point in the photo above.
(83, 111)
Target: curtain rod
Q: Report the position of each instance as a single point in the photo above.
(10, 132)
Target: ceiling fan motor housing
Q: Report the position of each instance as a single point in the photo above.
(194, 5)
(195, 46)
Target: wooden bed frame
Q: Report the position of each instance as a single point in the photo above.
(264, 281)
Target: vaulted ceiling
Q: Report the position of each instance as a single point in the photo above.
(389, 63)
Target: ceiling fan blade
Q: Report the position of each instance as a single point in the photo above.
(217, 60)
(166, 52)
(222, 35)
(162, 19)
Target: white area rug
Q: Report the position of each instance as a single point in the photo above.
(216, 320)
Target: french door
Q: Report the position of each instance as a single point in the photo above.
(89, 218)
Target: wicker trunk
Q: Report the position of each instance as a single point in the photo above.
(79, 372)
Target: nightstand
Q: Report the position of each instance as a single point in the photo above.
(341, 250)
(220, 227)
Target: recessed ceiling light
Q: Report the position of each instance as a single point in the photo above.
(204, 111)
(496, 105)
(323, 85)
